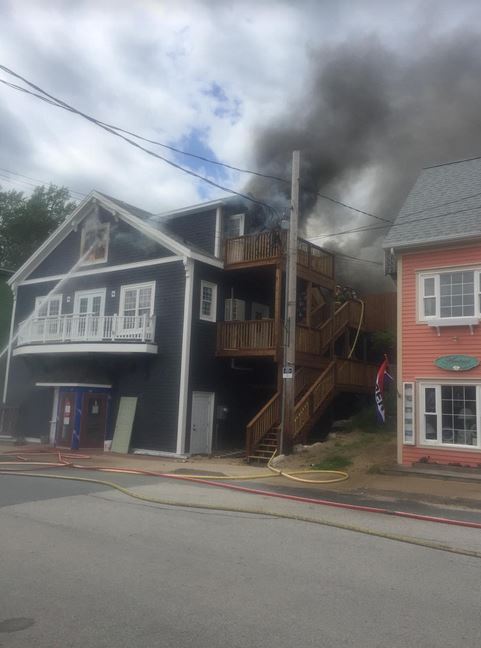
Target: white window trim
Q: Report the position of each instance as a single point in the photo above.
(39, 301)
(213, 313)
(86, 293)
(86, 262)
(124, 288)
(422, 423)
(436, 319)
(241, 218)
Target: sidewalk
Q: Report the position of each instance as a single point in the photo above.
(396, 487)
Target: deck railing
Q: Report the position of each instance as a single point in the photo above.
(87, 328)
(254, 335)
(271, 246)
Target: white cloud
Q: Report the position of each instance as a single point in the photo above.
(147, 66)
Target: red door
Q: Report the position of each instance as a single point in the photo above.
(94, 420)
(66, 416)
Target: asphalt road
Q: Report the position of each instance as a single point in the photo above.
(80, 568)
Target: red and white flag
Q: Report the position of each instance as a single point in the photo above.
(379, 390)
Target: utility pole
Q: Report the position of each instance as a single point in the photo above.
(287, 429)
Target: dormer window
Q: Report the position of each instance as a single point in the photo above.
(234, 226)
(95, 243)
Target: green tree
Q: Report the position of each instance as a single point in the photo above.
(26, 221)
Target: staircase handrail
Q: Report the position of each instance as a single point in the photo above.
(265, 419)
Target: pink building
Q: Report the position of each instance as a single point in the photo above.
(434, 250)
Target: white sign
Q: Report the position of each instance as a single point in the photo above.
(287, 372)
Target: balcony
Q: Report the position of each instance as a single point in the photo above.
(268, 248)
(247, 338)
(87, 333)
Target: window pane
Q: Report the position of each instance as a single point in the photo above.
(429, 306)
(431, 422)
(459, 414)
(430, 399)
(457, 294)
(429, 287)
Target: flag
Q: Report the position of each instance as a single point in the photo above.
(379, 390)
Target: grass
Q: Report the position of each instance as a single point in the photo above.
(345, 449)
(334, 462)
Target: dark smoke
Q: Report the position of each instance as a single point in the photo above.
(369, 120)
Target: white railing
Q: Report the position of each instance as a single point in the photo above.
(87, 328)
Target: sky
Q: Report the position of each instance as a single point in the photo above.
(213, 77)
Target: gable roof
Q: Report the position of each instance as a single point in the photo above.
(137, 218)
(444, 205)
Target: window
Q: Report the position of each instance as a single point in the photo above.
(95, 243)
(208, 301)
(449, 295)
(408, 413)
(48, 306)
(450, 414)
(234, 310)
(46, 316)
(136, 305)
(234, 226)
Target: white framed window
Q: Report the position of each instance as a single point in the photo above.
(259, 311)
(208, 301)
(450, 415)
(234, 225)
(46, 316)
(48, 306)
(137, 300)
(408, 413)
(234, 310)
(449, 295)
(94, 243)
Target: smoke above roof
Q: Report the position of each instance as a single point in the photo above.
(369, 120)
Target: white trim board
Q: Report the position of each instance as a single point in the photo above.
(85, 208)
(36, 349)
(64, 384)
(116, 268)
(159, 453)
(185, 356)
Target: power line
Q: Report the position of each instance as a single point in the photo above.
(37, 180)
(115, 130)
(353, 258)
(368, 228)
(93, 120)
(60, 104)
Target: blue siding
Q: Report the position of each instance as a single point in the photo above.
(153, 379)
(126, 245)
(198, 229)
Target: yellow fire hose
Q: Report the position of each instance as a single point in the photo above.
(238, 509)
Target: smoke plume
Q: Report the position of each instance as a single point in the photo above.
(369, 120)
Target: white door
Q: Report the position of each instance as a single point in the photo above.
(201, 422)
(88, 315)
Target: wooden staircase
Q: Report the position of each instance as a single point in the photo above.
(314, 390)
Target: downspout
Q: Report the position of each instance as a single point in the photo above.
(185, 357)
(9, 350)
(218, 232)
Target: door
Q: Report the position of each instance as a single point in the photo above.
(94, 420)
(88, 315)
(66, 419)
(201, 423)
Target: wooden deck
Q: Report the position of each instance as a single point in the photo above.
(268, 248)
(247, 338)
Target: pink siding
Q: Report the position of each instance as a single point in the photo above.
(421, 344)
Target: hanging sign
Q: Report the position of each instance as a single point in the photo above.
(456, 362)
